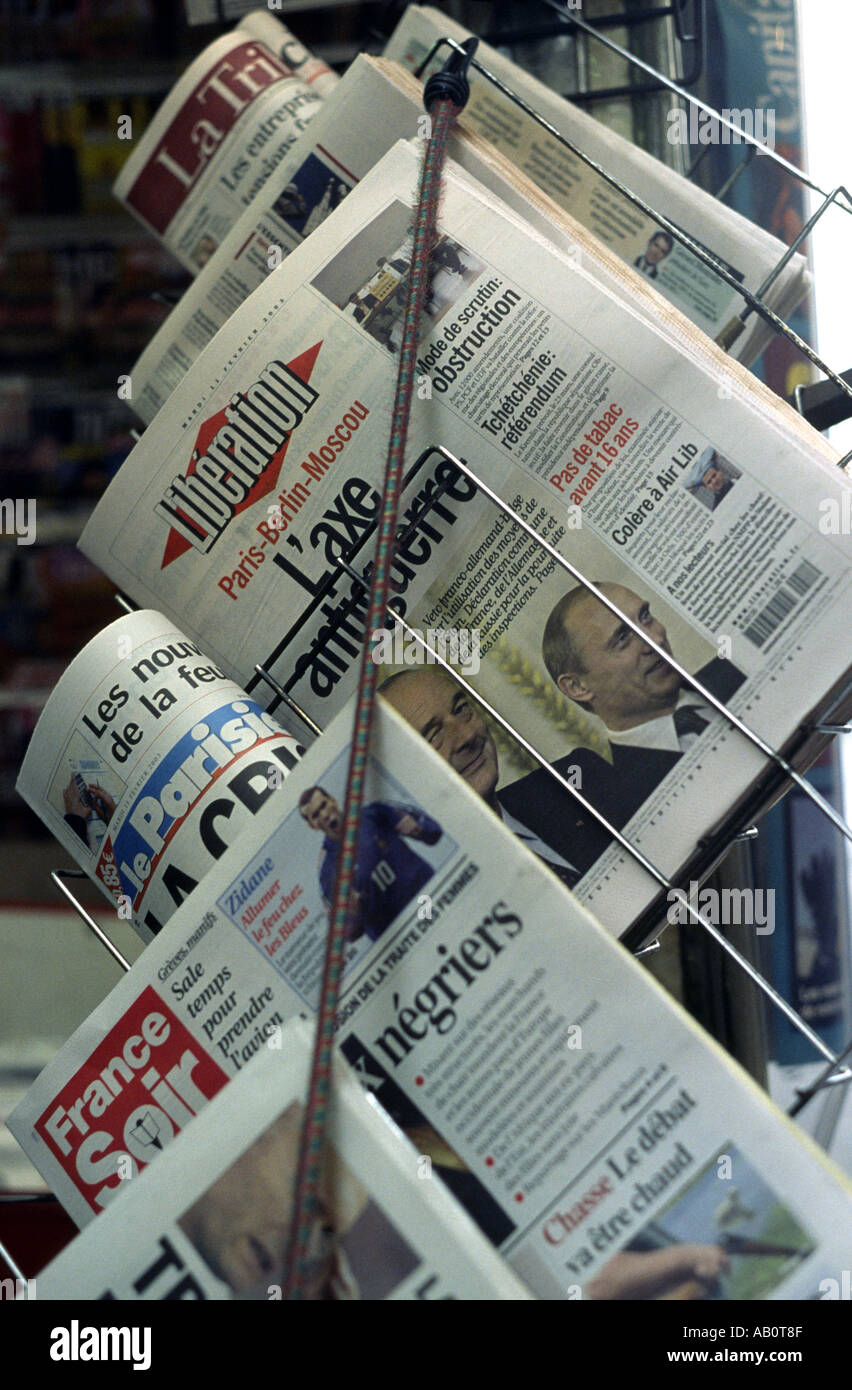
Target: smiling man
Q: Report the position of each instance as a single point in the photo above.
(652, 718)
(446, 717)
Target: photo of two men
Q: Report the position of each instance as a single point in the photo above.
(645, 717)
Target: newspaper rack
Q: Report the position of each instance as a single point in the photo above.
(644, 936)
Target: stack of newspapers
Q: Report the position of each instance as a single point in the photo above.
(528, 1088)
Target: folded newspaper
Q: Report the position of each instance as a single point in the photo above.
(214, 1220)
(658, 469)
(745, 251)
(371, 107)
(219, 135)
(604, 1145)
(147, 762)
(374, 103)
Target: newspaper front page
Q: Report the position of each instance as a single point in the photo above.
(705, 525)
(746, 251)
(147, 761)
(602, 1143)
(219, 135)
(214, 1219)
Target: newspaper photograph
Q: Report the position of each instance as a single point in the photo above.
(559, 1093)
(746, 251)
(219, 135)
(596, 430)
(146, 762)
(214, 1221)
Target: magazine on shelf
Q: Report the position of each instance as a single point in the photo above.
(745, 250)
(605, 1145)
(214, 1220)
(656, 467)
(219, 135)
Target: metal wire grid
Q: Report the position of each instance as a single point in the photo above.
(835, 1070)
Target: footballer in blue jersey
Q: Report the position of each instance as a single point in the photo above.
(388, 873)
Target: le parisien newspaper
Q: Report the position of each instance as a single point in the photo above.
(216, 139)
(598, 1138)
(746, 251)
(212, 1221)
(147, 761)
(704, 519)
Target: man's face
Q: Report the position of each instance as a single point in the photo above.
(323, 813)
(624, 681)
(241, 1225)
(445, 716)
(656, 250)
(714, 479)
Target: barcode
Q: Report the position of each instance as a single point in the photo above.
(776, 610)
(802, 578)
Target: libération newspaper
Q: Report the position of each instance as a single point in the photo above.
(219, 135)
(602, 1143)
(746, 251)
(147, 761)
(213, 1222)
(707, 524)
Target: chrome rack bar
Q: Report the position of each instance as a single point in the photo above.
(288, 700)
(649, 949)
(17, 1272)
(825, 1078)
(57, 876)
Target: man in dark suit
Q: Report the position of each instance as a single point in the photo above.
(445, 716)
(657, 249)
(651, 717)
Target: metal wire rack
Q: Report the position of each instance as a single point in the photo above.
(644, 938)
